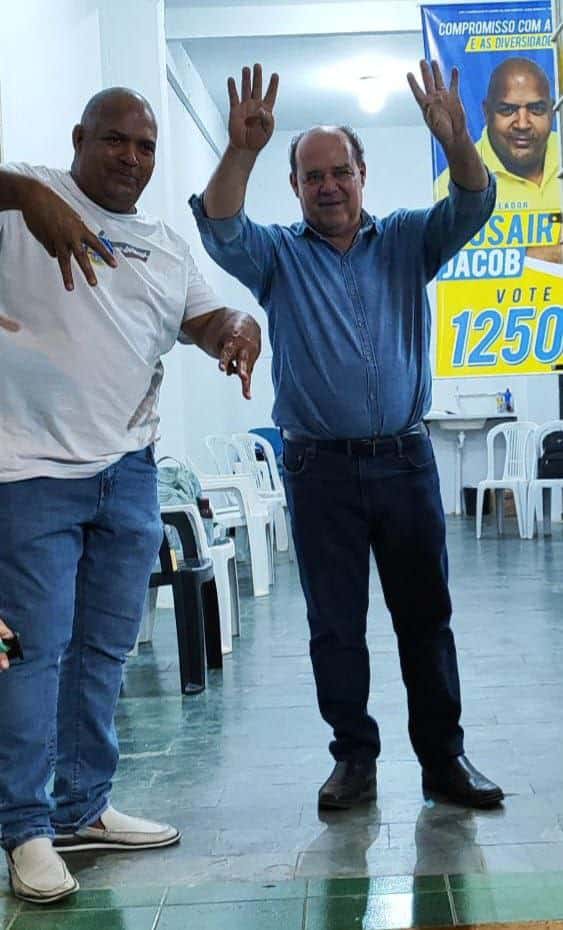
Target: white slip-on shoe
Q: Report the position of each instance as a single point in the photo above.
(38, 873)
(120, 831)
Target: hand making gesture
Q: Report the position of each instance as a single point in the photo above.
(441, 107)
(251, 120)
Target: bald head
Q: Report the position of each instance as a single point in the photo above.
(353, 140)
(113, 99)
(517, 71)
(519, 113)
(114, 146)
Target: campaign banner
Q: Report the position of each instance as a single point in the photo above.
(500, 299)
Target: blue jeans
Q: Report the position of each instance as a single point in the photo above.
(341, 507)
(75, 560)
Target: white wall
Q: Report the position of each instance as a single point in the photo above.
(49, 67)
(212, 402)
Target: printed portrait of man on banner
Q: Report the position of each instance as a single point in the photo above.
(499, 300)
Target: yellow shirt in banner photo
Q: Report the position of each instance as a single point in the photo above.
(514, 192)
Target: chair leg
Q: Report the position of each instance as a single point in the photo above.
(188, 614)
(271, 559)
(531, 513)
(499, 506)
(233, 590)
(479, 512)
(149, 616)
(282, 541)
(520, 507)
(546, 508)
(259, 557)
(212, 624)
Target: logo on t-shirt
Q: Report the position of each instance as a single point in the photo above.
(126, 249)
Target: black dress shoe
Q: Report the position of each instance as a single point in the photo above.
(351, 782)
(459, 781)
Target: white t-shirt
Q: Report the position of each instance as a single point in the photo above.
(79, 382)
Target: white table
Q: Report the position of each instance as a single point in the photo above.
(460, 424)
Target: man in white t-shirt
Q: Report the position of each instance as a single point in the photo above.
(80, 527)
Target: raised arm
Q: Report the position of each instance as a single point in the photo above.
(445, 117)
(251, 125)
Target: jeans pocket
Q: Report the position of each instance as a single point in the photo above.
(150, 455)
(294, 457)
(419, 454)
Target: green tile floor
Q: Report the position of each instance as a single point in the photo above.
(237, 769)
(316, 904)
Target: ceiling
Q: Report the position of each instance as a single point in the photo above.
(212, 3)
(319, 74)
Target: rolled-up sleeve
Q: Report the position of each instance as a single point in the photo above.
(244, 249)
(451, 223)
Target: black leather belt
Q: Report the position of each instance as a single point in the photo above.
(371, 446)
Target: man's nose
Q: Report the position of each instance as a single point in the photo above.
(522, 118)
(129, 155)
(328, 183)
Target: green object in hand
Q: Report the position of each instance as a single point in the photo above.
(12, 647)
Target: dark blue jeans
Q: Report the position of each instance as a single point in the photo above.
(342, 506)
(75, 560)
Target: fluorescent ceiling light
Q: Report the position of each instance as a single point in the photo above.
(372, 96)
(372, 79)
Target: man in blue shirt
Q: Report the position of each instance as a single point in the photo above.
(349, 324)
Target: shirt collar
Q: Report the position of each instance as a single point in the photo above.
(367, 223)
(494, 164)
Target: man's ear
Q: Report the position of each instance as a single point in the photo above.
(293, 182)
(363, 172)
(77, 137)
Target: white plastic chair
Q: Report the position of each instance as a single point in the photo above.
(244, 509)
(267, 480)
(232, 457)
(518, 469)
(539, 490)
(222, 554)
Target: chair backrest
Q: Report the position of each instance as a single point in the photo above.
(224, 453)
(272, 435)
(543, 430)
(193, 515)
(221, 499)
(519, 453)
(246, 448)
(253, 439)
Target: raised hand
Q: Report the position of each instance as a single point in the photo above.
(441, 107)
(251, 120)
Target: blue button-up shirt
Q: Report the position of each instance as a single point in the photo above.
(350, 332)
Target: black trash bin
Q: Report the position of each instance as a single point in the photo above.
(470, 501)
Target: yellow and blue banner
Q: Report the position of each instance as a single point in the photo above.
(500, 299)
